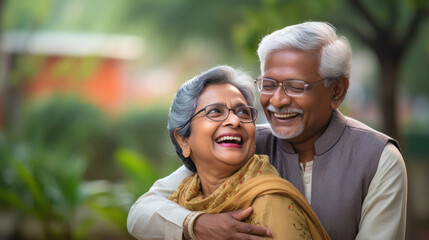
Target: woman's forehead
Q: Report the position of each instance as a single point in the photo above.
(220, 93)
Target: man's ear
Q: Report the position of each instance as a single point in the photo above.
(339, 89)
(183, 142)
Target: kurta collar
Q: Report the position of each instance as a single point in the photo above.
(329, 138)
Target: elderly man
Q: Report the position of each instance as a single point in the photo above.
(353, 176)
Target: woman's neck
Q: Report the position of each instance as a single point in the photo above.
(213, 176)
(210, 183)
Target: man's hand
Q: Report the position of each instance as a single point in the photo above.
(228, 226)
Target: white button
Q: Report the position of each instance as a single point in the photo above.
(307, 180)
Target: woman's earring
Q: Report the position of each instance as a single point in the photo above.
(186, 152)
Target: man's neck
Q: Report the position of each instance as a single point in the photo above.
(305, 149)
(305, 153)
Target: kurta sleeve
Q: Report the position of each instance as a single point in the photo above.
(385, 206)
(281, 215)
(153, 216)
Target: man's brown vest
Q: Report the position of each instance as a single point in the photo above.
(346, 159)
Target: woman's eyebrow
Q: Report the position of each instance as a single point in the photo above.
(240, 105)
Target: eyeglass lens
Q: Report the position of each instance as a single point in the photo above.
(219, 112)
(291, 87)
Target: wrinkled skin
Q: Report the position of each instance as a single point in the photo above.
(228, 226)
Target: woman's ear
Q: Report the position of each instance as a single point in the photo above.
(339, 90)
(183, 142)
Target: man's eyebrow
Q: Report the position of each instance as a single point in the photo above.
(282, 80)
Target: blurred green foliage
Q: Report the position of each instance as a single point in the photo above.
(112, 201)
(66, 124)
(137, 169)
(27, 66)
(44, 184)
(146, 132)
(414, 71)
(47, 158)
(140, 129)
(233, 27)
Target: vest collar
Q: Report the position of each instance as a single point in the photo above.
(329, 138)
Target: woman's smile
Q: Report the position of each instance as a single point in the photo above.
(230, 140)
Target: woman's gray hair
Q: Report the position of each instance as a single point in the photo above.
(185, 102)
(318, 37)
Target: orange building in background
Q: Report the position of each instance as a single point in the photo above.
(103, 86)
(88, 65)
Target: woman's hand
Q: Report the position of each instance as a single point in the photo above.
(228, 225)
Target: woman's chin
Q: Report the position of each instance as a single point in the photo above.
(234, 160)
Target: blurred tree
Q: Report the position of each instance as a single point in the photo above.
(1, 13)
(165, 25)
(392, 33)
(181, 20)
(415, 72)
(387, 27)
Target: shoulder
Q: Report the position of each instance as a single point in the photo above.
(364, 132)
(392, 154)
(391, 162)
(281, 214)
(358, 126)
(276, 201)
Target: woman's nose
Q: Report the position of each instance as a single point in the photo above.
(232, 119)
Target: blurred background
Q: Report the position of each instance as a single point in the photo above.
(85, 87)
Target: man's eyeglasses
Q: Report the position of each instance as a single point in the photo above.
(220, 112)
(293, 88)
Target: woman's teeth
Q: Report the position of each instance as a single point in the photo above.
(229, 139)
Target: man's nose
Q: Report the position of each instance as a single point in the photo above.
(280, 98)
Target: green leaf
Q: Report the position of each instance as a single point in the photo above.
(81, 230)
(112, 214)
(136, 167)
(14, 200)
(30, 182)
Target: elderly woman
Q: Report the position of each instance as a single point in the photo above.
(211, 124)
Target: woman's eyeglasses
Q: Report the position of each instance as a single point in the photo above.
(220, 112)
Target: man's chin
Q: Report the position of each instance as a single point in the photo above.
(285, 133)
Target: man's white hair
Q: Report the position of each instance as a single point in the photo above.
(318, 37)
